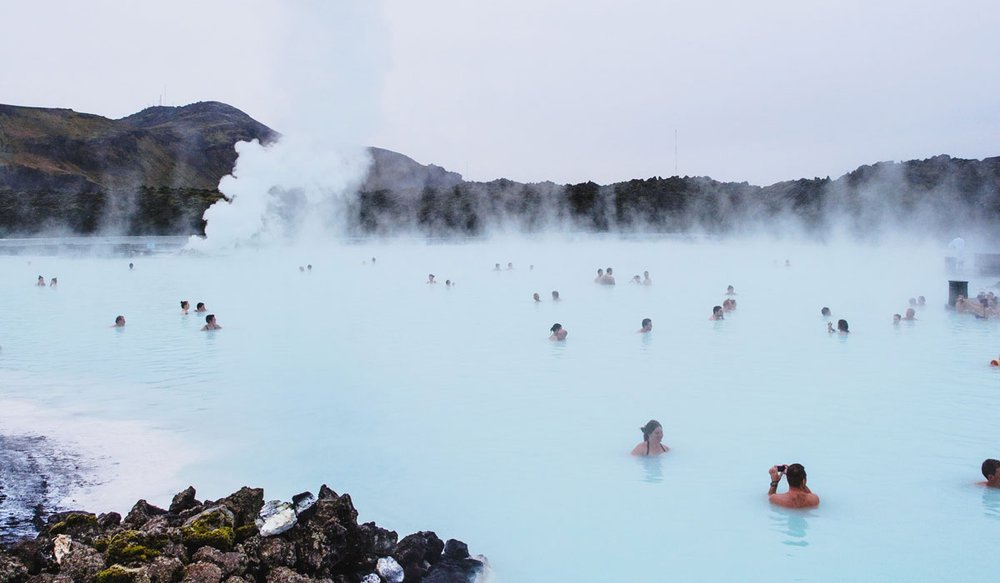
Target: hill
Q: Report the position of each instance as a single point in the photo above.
(156, 171)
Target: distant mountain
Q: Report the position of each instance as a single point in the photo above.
(155, 172)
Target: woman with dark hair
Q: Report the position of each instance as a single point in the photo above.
(185, 306)
(558, 332)
(652, 440)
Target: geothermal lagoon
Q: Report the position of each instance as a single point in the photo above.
(448, 409)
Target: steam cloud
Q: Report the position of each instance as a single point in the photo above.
(327, 78)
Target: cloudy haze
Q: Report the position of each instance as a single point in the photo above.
(533, 90)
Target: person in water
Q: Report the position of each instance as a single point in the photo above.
(200, 308)
(119, 322)
(730, 291)
(40, 282)
(510, 266)
(798, 495)
(54, 282)
(921, 301)
(728, 305)
(716, 313)
(558, 332)
(825, 312)
(448, 283)
(131, 266)
(896, 318)
(647, 326)
(991, 471)
(635, 279)
(210, 324)
(598, 279)
(841, 327)
(911, 314)
(536, 297)
(184, 307)
(609, 278)
(496, 267)
(646, 280)
(652, 440)
(430, 278)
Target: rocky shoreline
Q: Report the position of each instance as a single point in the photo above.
(237, 539)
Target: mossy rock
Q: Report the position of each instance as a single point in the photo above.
(199, 535)
(74, 521)
(117, 574)
(244, 532)
(132, 547)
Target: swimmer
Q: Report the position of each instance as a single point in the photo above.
(536, 297)
(598, 279)
(555, 296)
(716, 313)
(54, 282)
(825, 312)
(510, 266)
(210, 324)
(798, 495)
(841, 327)
(609, 279)
(912, 301)
(131, 267)
(995, 362)
(991, 471)
(728, 305)
(200, 308)
(302, 269)
(646, 279)
(40, 282)
(896, 318)
(647, 326)
(373, 260)
(448, 283)
(652, 440)
(558, 332)
(430, 278)
(184, 307)
(635, 279)
(911, 314)
(730, 291)
(921, 301)
(496, 267)
(531, 267)
(309, 267)
(119, 322)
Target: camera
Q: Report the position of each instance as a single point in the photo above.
(781, 469)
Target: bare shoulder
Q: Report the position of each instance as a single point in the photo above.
(639, 449)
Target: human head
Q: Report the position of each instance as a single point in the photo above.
(210, 319)
(910, 312)
(647, 324)
(608, 271)
(896, 318)
(510, 265)
(430, 277)
(302, 269)
(921, 300)
(990, 467)
(645, 274)
(716, 310)
(796, 475)
(40, 278)
(555, 328)
(309, 267)
(599, 271)
(649, 428)
(842, 325)
(536, 297)
(913, 301)
(184, 304)
(200, 306)
(130, 266)
(825, 311)
(730, 288)
(555, 295)
(120, 321)
(447, 282)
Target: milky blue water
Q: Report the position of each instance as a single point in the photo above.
(448, 409)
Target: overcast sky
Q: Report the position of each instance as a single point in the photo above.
(562, 90)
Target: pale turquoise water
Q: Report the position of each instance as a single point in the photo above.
(449, 410)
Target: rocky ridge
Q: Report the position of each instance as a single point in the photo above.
(237, 539)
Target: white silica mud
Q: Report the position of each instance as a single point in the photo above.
(447, 408)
